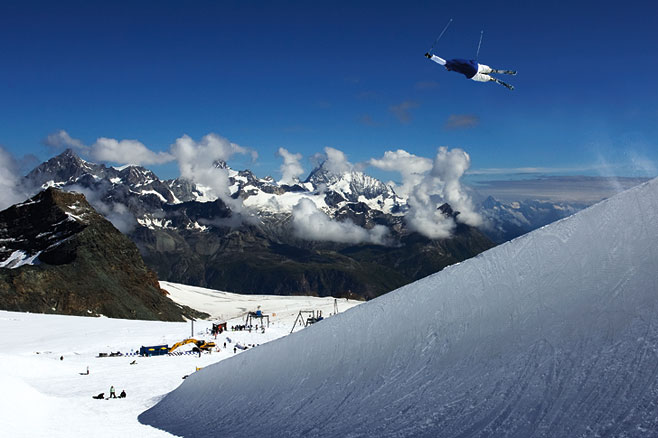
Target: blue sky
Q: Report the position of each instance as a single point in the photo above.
(348, 75)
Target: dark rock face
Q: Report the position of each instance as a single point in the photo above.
(249, 260)
(68, 259)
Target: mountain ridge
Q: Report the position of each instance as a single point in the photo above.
(189, 235)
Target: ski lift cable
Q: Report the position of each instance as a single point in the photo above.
(440, 35)
(477, 55)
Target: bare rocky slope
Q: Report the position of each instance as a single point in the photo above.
(58, 255)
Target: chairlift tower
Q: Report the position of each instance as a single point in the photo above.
(249, 320)
(312, 318)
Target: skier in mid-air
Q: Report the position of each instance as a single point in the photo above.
(472, 69)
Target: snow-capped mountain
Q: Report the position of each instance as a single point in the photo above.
(355, 186)
(188, 234)
(172, 221)
(550, 335)
(343, 195)
(69, 170)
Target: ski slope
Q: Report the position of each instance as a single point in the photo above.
(554, 334)
(45, 396)
(228, 306)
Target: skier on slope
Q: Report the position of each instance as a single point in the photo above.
(472, 69)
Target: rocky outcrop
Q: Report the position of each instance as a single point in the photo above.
(58, 255)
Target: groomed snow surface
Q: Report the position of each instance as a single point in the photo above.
(43, 396)
(554, 334)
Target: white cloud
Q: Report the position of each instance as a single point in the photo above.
(449, 167)
(535, 170)
(425, 218)
(62, 140)
(290, 169)
(578, 189)
(126, 152)
(336, 161)
(117, 213)
(311, 223)
(196, 162)
(411, 167)
(429, 183)
(11, 191)
(110, 149)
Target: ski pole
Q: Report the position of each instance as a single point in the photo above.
(477, 55)
(439, 37)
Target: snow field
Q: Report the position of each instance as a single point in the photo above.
(46, 396)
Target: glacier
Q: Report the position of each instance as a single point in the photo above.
(552, 334)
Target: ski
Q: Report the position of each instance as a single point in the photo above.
(504, 84)
(505, 72)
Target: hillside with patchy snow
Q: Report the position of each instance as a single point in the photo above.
(552, 334)
(59, 255)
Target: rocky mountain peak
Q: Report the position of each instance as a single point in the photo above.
(323, 175)
(69, 202)
(447, 210)
(68, 154)
(65, 167)
(490, 203)
(220, 164)
(350, 184)
(31, 230)
(137, 175)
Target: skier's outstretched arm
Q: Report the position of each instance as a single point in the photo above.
(436, 59)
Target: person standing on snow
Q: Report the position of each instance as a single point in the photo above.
(112, 393)
(472, 69)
